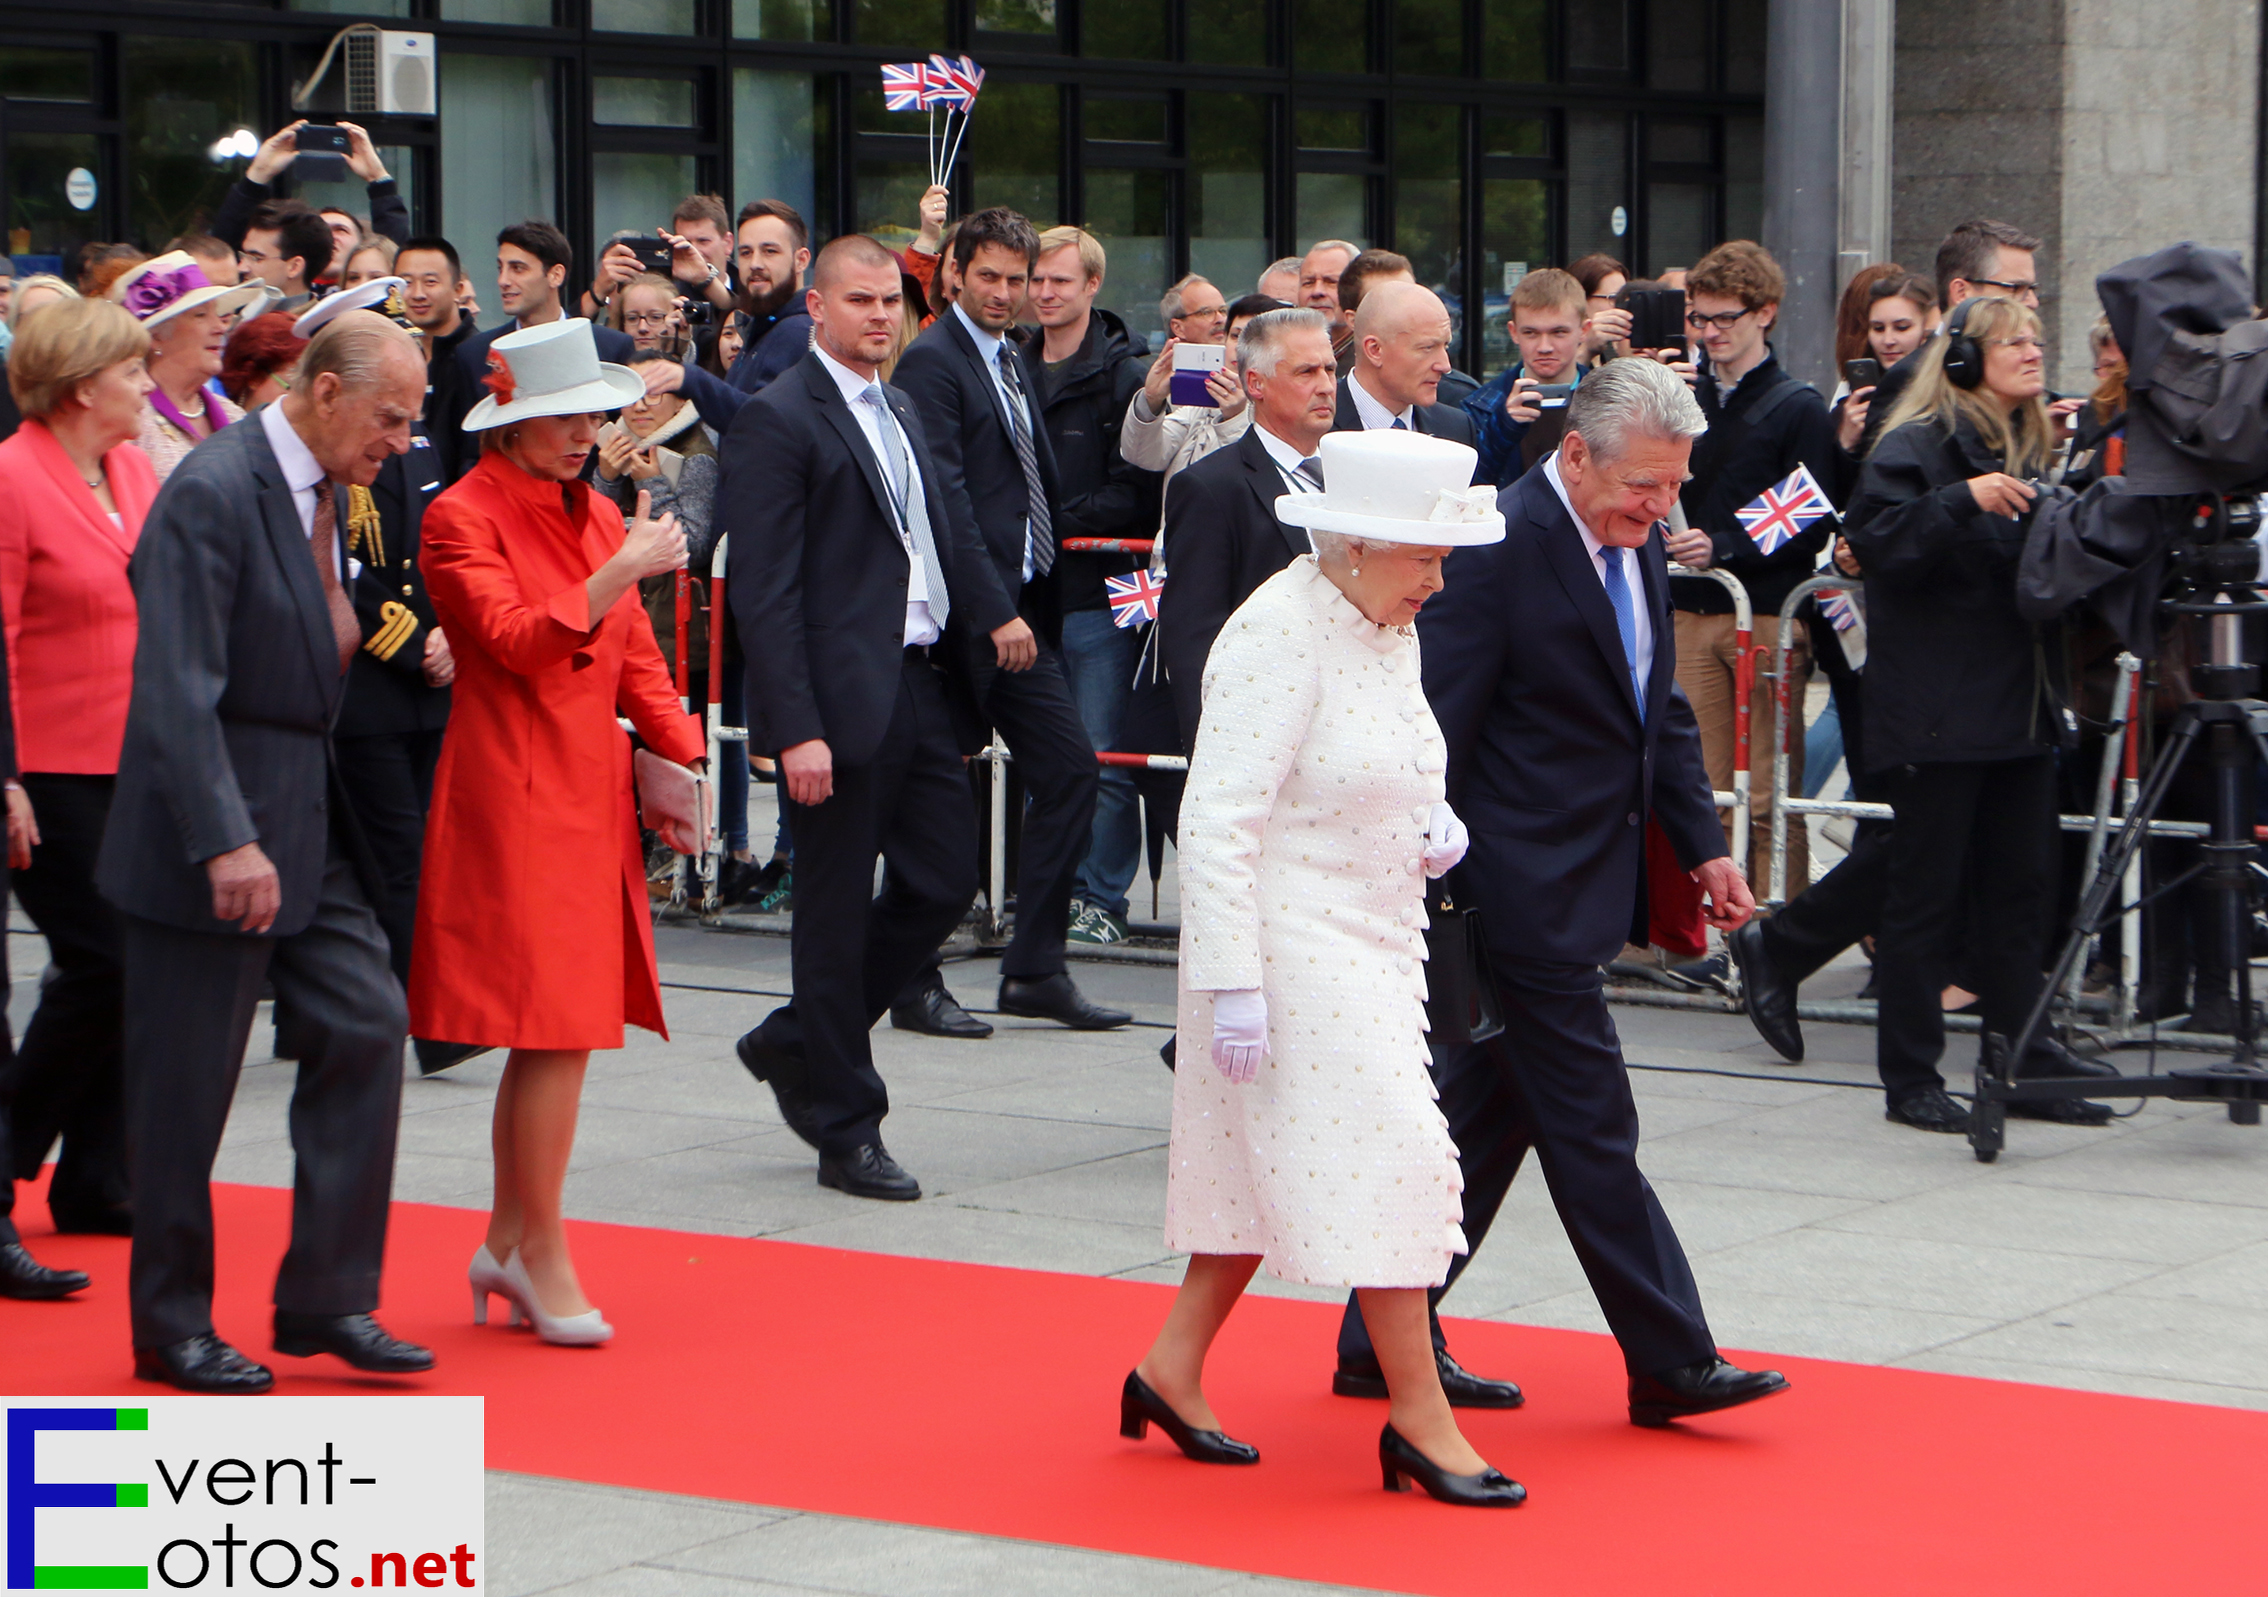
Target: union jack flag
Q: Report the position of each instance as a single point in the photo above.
(906, 88)
(954, 82)
(1835, 604)
(1134, 598)
(1783, 510)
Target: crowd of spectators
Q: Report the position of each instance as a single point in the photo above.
(1071, 449)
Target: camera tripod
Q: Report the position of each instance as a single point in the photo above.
(2233, 726)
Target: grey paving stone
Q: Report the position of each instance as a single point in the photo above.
(1128, 1188)
(940, 1229)
(543, 1533)
(2160, 1338)
(2019, 1214)
(908, 1561)
(2237, 1279)
(1898, 1164)
(1894, 1272)
(1774, 1323)
(2200, 1157)
(1953, 1360)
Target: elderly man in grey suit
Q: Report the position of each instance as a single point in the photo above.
(235, 862)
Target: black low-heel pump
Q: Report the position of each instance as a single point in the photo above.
(1138, 1406)
(1401, 1463)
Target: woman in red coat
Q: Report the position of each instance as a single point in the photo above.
(533, 931)
(73, 492)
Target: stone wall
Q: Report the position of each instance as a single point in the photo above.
(2107, 127)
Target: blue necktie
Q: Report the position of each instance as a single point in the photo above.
(1400, 425)
(1625, 618)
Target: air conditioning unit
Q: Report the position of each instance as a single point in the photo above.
(389, 74)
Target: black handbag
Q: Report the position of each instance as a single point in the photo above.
(1461, 1005)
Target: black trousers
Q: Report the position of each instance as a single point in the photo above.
(851, 951)
(1990, 823)
(67, 1079)
(389, 780)
(191, 997)
(8, 1232)
(1555, 1081)
(1038, 720)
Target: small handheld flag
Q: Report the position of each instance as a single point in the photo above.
(1783, 510)
(905, 88)
(1134, 597)
(1835, 604)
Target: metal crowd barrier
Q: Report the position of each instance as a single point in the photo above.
(1745, 657)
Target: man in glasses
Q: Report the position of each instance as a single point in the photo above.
(1980, 256)
(1763, 423)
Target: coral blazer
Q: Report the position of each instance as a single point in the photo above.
(533, 925)
(68, 606)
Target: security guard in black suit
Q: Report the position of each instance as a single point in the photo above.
(388, 735)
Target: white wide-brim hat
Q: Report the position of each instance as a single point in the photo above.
(551, 370)
(162, 287)
(1388, 486)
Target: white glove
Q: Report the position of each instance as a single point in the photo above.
(1445, 841)
(1240, 1033)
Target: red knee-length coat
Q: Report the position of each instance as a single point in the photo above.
(532, 923)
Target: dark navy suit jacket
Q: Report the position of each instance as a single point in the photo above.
(1550, 766)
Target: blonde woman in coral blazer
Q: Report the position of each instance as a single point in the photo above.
(73, 492)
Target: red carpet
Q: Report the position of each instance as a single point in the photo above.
(984, 1400)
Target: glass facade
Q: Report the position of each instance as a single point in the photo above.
(1482, 138)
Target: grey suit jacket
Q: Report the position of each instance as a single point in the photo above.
(236, 684)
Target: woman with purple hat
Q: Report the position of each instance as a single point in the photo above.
(188, 317)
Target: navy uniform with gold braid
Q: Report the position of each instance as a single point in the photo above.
(390, 722)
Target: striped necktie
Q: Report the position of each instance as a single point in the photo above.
(1020, 428)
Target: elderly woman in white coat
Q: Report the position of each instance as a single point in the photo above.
(1305, 1132)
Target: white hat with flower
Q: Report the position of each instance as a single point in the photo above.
(551, 370)
(1390, 486)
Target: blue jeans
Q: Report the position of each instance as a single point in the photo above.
(1099, 659)
(1822, 750)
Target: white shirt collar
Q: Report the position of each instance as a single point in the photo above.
(854, 387)
(988, 343)
(1285, 456)
(1551, 475)
(1373, 412)
(300, 468)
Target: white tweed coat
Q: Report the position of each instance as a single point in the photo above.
(1317, 766)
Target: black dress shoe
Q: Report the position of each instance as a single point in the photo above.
(1139, 1408)
(1461, 1386)
(356, 1338)
(935, 1014)
(1931, 1109)
(868, 1172)
(115, 1220)
(1401, 1464)
(781, 1071)
(2063, 1112)
(1057, 997)
(1701, 1388)
(22, 1276)
(203, 1363)
(2048, 1057)
(1767, 995)
(435, 1057)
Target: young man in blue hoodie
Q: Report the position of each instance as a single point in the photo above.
(1514, 427)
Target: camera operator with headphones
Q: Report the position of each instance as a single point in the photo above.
(1959, 713)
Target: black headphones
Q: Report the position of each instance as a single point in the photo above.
(1964, 358)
